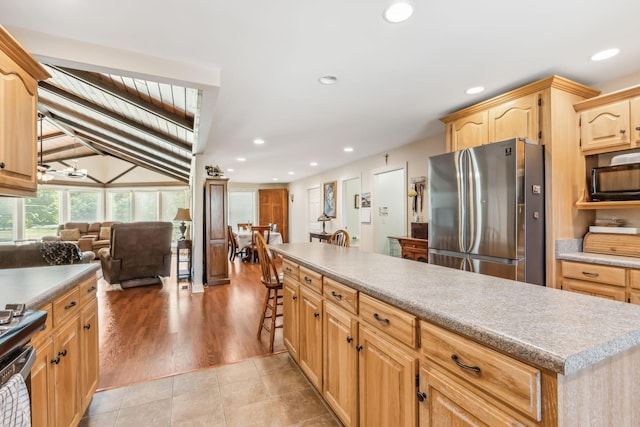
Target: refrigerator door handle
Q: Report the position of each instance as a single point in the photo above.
(463, 203)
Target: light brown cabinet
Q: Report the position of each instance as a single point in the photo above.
(65, 374)
(273, 208)
(216, 240)
(542, 111)
(19, 75)
(310, 340)
(604, 281)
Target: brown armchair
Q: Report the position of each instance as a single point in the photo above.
(140, 252)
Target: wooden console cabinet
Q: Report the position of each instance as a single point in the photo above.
(64, 377)
(19, 75)
(414, 249)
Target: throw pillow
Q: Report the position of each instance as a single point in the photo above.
(70, 234)
(105, 233)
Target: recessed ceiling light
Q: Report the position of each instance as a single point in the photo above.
(258, 141)
(398, 12)
(328, 80)
(348, 149)
(313, 164)
(605, 54)
(291, 172)
(241, 159)
(275, 179)
(474, 90)
(230, 169)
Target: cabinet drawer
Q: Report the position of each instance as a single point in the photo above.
(66, 306)
(634, 279)
(311, 279)
(290, 269)
(88, 289)
(594, 273)
(48, 324)
(341, 295)
(392, 320)
(601, 290)
(500, 376)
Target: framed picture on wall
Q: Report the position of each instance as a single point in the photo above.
(329, 196)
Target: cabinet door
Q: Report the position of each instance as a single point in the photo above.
(634, 124)
(340, 372)
(310, 349)
(387, 382)
(515, 119)
(605, 127)
(216, 239)
(18, 99)
(274, 209)
(469, 131)
(601, 290)
(445, 402)
(291, 320)
(89, 349)
(66, 396)
(42, 385)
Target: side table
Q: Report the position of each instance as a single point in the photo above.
(183, 260)
(319, 236)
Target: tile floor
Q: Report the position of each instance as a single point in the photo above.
(270, 391)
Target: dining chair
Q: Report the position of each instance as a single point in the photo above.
(234, 246)
(272, 280)
(244, 226)
(340, 238)
(252, 249)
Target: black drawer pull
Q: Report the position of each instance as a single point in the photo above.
(55, 361)
(336, 295)
(316, 314)
(288, 269)
(87, 326)
(91, 289)
(588, 274)
(349, 339)
(70, 305)
(475, 369)
(62, 353)
(306, 279)
(380, 319)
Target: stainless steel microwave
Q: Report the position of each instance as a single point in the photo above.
(620, 182)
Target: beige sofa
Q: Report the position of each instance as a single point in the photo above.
(89, 236)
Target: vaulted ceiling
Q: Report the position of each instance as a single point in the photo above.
(148, 124)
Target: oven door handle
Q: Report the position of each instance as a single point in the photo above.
(27, 359)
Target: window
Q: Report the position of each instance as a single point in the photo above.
(7, 210)
(42, 214)
(241, 207)
(120, 206)
(83, 206)
(146, 205)
(170, 202)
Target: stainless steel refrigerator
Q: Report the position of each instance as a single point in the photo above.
(487, 210)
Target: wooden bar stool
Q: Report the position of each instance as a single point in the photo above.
(272, 280)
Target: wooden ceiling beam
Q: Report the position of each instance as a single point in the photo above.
(66, 130)
(111, 115)
(88, 78)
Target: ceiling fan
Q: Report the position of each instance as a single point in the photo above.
(45, 173)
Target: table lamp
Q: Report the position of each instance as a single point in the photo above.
(182, 215)
(324, 218)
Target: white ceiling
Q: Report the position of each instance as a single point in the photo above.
(395, 80)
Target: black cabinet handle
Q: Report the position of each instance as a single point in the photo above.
(70, 305)
(380, 319)
(622, 131)
(2, 165)
(316, 314)
(87, 326)
(336, 295)
(349, 339)
(55, 361)
(475, 369)
(422, 396)
(62, 353)
(288, 269)
(306, 279)
(295, 297)
(91, 289)
(638, 128)
(359, 347)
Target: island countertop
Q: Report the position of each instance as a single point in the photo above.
(35, 286)
(554, 329)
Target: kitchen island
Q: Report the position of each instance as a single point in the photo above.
(575, 355)
(64, 376)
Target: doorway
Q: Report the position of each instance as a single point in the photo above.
(389, 206)
(351, 211)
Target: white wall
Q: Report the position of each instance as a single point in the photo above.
(415, 156)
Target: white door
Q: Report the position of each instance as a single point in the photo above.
(388, 208)
(351, 211)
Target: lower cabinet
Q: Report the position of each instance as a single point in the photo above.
(340, 363)
(290, 313)
(64, 376)
(387, 382)
(595, 280)
(310, 338)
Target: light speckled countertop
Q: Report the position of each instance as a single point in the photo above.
(614, 260)
(36, 285)
(562, 331)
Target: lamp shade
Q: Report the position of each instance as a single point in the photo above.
(324, 217)
(182, 215)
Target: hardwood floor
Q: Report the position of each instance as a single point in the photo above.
(152, 332)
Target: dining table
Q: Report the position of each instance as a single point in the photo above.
(244, 238)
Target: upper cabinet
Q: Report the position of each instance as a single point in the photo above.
(610, 122)
(19, 75)
(541, 111)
